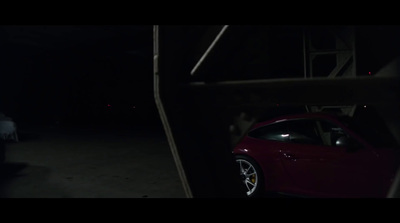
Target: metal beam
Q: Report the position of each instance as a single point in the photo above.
(209, 49)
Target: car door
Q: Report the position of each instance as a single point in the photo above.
(319, 167)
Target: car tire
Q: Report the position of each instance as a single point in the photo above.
(251, 175)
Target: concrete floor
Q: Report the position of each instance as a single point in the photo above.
(85, 162)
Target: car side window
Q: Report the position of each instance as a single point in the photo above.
(304, 131)
(330, 132)
(275, 132)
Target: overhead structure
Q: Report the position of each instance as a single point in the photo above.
(330, 52)
(212, 83)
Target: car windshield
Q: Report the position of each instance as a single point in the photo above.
(372, 128)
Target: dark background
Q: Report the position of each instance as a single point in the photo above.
(77, 75)
(102, 75)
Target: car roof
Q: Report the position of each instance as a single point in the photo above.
(320, 115)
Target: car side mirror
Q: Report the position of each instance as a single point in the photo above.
(345, 141)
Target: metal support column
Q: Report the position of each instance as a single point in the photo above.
(338, 42)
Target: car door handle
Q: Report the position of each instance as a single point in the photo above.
(289, 156)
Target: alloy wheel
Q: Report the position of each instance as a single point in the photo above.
(249, 176)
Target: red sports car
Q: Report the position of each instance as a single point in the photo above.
(318, 155)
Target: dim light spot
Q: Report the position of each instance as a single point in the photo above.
(369, 73)
(108, 105)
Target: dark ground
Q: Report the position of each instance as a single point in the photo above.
(88, 162)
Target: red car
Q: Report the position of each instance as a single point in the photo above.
(318, 155)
